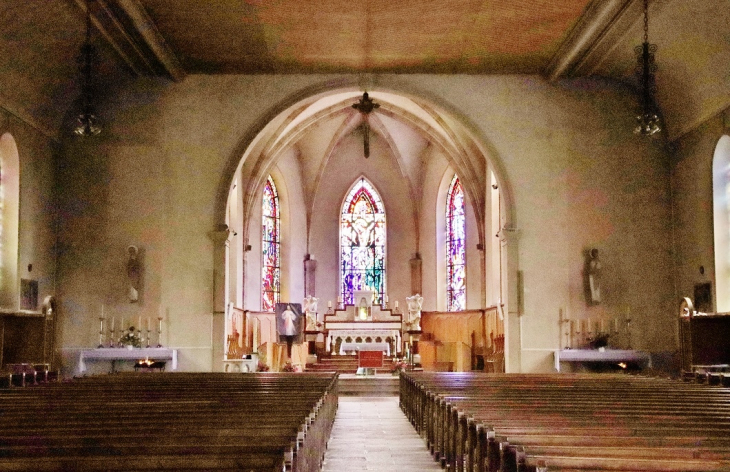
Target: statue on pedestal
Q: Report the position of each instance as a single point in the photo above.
(310, 310)
(414, 312)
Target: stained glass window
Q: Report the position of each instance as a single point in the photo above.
(455, 248)
(270, 246)
(362, 243)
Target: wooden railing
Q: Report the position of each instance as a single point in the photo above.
(458, 339)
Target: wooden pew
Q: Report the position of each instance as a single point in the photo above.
(170, 421)
(469, 421)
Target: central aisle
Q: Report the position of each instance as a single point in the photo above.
(372, 433)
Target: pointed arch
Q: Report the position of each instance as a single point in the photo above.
(455, 247)
(362, 242)
(9, 215)
(721, 216)
(270, 247)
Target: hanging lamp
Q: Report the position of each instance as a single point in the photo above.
(647, 123)
(86, 122)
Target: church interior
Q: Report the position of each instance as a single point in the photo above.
(527, 188)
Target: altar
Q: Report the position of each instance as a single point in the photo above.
(349, 348)
(608, 356)
(119, 354)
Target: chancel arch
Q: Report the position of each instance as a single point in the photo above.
(721, 204)
(317, 146)
(9, 211)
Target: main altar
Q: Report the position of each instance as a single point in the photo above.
(363, 326)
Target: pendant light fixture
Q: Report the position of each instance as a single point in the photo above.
(647, 123)
(87, 123)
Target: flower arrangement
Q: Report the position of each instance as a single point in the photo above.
(262, 366)
(399, 365)
(289, 367)
(599, 341)
(131, 338)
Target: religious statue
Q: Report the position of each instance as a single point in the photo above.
(594, 277)
(362, 309)
(134, 273)
(310, 310)
(414, 312)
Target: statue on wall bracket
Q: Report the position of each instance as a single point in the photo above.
(592, 272)
(134, 273)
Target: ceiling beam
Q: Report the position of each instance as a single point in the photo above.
(127, 28)
(154, 40)
(600, 18)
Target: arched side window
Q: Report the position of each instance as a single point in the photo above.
(455, 248)
(362, 243)
(9, 215)
(721, 217)
(270, 247)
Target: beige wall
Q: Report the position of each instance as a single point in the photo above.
(693, 206)
(573, 173)
(36, 210)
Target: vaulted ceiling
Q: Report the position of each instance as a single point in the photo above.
(40, 40)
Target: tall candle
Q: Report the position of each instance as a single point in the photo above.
(139, 323)
(603, 325)
(329, 304)
(386, 299)
(148, 323)
(112, 323)
(102, 310)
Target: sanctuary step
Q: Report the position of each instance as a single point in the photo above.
(379, 385)
(346, 364)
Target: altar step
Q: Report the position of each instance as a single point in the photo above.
(379, 385)
(344, 365)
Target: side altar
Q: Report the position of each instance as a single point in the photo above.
(363, 327)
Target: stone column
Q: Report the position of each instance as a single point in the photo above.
(310, 271)
(416, 271)
(220, 239)
(512, 323)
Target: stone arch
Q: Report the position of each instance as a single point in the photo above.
(465, 146)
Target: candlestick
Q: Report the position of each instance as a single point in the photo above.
(159, 330)
(101, 331)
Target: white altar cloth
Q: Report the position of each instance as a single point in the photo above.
(115, 354)
(350, 347)
(608, 356)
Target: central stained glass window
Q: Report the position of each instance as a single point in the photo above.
(455, 248)
(270, 245)
(362, 243)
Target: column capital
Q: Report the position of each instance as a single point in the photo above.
(509, 235)
(221, 235)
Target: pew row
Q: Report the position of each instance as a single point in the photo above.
(535, 422)
(170, 421)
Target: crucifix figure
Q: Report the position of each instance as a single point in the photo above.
(365, 106)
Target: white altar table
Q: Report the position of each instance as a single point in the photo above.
(353, 347)
(114, 354)
(609, 356)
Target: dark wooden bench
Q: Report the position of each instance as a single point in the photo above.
(527, 422)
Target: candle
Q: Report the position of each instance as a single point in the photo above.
(396, 304)
(386, 299)
(102, 310)
(329, 304)
(148, 323)
(603, 325)
(339, 299)
(112, 323)
(139, 324)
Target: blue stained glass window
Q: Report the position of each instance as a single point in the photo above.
(455, 248)
(270, 247)
(362, 243)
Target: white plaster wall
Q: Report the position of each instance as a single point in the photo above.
(578, 178)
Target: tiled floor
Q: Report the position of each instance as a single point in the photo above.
(372, 433)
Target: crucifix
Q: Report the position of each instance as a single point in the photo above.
(365, 106)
